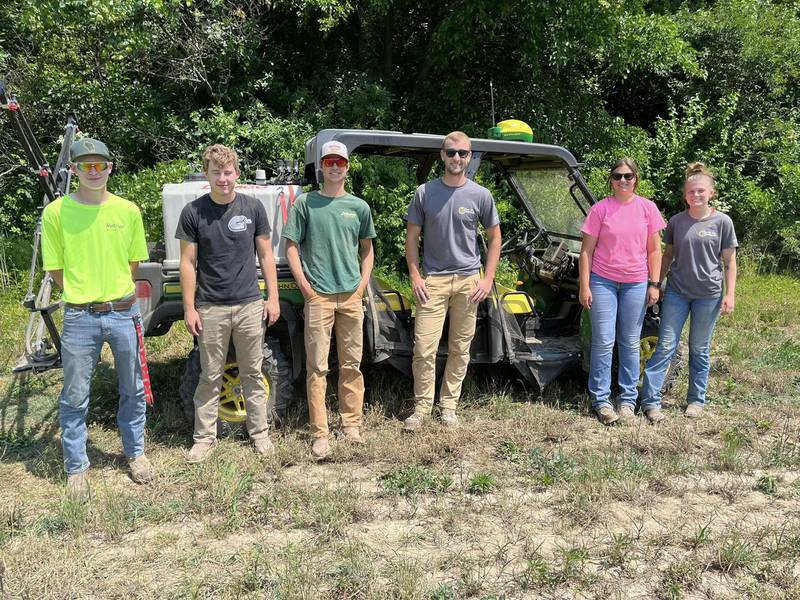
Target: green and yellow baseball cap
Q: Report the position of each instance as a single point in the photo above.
(88, 147)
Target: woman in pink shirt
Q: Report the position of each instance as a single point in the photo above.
(619, 267)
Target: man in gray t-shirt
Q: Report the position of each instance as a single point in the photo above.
(696, 270)
(448, 210)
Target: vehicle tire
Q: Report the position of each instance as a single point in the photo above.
(232, 414)
(649, 341)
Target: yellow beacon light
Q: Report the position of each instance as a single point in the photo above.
(511, 129)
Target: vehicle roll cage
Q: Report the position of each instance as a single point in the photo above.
(424, 148)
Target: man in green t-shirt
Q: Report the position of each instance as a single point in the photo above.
(92, 242)
(329, 248)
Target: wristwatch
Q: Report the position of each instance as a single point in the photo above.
(655, 284)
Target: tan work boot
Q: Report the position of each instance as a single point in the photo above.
(78, 486)
(694, 410)
(200, 452)
(449, 418)
(626, 414)
(607, 415)
(264, 446)
(352, 434)
(654, 415)
(141, 469)
(414, 422)
(320, 449)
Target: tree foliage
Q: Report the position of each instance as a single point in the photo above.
(663, 81)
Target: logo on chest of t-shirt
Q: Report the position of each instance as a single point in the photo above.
(704, 233)
(466, 212)
(349, 214)
(239, 223)
(114, 226)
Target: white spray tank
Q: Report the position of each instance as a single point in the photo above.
(277, 199)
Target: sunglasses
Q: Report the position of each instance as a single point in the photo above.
(334, 161)
(88, 166)
(451, 152)
(626, 176)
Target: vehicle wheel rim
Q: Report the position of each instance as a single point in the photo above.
(231, 396)
(647, 347)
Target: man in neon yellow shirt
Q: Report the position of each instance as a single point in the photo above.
(92, 242)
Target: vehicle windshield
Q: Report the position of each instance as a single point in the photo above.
(547, 193)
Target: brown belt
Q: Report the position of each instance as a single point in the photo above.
(104, 307)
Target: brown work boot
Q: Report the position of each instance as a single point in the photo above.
(414, 422)
(694, 410)
(264, 446)
(200, 452)
(320, 449)
(78, 486)
(141, 469)
(607, 415)
(352, 434)
(449, 418)
(626, 414)
(654, 415)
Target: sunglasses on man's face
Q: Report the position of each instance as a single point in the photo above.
(451, 152)
(88, 166)
(334, 161)
(625, 176)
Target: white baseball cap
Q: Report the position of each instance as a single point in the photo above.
(334, 148)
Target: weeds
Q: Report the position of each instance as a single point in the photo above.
(729, 457)
(324, 510)
(701, 536)
(11, 522)
(539, 575)
(619, 551)
(481, 483)
(678, 578)
(736, 553)
(355, 574)
(768, 484)
(405, 580)
(117, 513)
(412, 480)
(543, 470)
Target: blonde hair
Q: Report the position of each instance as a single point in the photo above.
(222, 155)
(456, 135)
(696, 170)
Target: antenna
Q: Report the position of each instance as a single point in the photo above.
(491, 94)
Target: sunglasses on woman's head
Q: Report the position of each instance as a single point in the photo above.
(626, 176)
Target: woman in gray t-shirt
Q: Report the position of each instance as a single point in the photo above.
(699, 241)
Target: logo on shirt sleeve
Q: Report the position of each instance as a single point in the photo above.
(239, 223)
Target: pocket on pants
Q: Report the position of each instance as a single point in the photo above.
(73, 315)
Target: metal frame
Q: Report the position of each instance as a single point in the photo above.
(41, 353)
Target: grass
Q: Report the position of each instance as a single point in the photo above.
(530, 498)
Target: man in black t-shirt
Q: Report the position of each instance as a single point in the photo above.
(220, 233)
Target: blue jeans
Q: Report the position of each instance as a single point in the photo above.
(81, 341)
(675, 309)
(617, 313)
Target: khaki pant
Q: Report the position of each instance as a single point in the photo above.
(245, 325)
(344, 314)
(447, 294)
